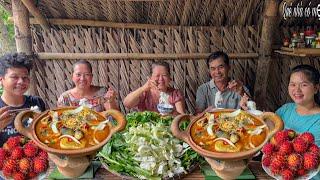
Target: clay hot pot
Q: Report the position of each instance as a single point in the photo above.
(226, 165)
(70, 163)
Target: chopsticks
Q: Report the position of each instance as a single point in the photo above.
(18, 110)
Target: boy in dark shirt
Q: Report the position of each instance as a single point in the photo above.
(15, 79)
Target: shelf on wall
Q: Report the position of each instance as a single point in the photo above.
(300, 52)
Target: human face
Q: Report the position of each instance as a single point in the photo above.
(219, 70)
(82, 76)
(301, 90)
(15, 81)
(161, 76)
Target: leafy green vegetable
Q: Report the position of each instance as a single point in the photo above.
(147, 149)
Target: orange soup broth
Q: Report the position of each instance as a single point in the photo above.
(200, 135)
(54, 141)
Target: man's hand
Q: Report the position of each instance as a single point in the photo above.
(236, 86)
(243, 102)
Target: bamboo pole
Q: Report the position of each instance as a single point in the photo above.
(96, 23)
(21, 27)
(265, 51)
(140, 56)
(36, 13)
(23, 34)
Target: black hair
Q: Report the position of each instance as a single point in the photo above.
(312, 75)
(14, 60)
(216, 55)
(87, 63)
(161, 63)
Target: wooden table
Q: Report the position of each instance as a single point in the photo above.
(254, 166)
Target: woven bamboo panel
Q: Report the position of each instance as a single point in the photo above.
(54, 76)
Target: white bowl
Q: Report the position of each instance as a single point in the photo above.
(165, 108)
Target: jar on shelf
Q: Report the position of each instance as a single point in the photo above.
(309, 40)
(286, 42)
(301, 43)
(318, 42)
(294, 40)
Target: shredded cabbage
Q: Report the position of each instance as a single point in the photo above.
(148, 148)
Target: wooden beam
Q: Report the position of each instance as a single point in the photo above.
(139, 56)
(97, 23)
(264, 62)
(36, 13)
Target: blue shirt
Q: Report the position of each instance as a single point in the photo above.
(300, 123)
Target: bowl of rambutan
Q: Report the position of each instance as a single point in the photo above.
(71, 135)
(289, 155)
(21, 159)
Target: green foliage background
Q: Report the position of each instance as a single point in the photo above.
(4, 14)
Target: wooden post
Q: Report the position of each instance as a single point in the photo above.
(264, 62)
(21, 27)
(23, 34)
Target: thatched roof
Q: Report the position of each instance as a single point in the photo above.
(169, 12)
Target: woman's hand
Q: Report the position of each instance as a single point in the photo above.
(111, 95)
(5, 117)
(236, 86)
(150, 84)
(243, 102)
(111, 102)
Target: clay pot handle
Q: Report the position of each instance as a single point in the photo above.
(175, 127)
(275, 119)
(119, 117)
(26, 131)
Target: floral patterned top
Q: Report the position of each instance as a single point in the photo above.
(97, 101)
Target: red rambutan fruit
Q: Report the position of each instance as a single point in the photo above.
(285, 148)
(9, 167)
(268, 149)
(266, 161)
(294, 161)
(3, 153)
(299, 145)
(280, 136)
(31, 174)
(30, 150)
(307, 137)
(278, 162)
(24, 165)
(301, 172)
(310, 161)
(287, 174)
(314, 149)
(39, 165)
(13, 142)
(18, 176)
(43, 154)
(17, 153)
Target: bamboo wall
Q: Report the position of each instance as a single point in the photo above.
(54, 76)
